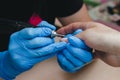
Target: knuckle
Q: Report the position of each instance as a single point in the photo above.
(29, 31)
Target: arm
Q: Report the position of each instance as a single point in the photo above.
(80, 16)
(99, 37)
(68, 11)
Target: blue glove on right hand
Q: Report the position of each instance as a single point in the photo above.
(75, 56)
(28, 47)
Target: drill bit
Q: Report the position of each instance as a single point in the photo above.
(55, 34)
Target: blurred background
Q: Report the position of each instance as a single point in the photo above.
(104, 10)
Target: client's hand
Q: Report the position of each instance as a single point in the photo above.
(105, 40)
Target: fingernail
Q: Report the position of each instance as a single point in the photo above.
(64, 40)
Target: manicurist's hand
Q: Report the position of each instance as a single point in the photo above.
(27, 48)
(76, 54)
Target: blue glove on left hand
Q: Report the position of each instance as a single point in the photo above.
(27, 48)
(75, 56)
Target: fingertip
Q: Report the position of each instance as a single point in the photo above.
(73, 39)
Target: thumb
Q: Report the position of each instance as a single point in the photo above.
(74, 26)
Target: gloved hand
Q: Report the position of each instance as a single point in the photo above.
(76, 54)
(28, 47)
(47, 25)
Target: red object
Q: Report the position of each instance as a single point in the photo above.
(35, 19)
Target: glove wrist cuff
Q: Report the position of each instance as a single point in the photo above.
(5, 75)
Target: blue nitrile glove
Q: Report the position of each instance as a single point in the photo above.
(28, 47)
(75, 56)
(47, 25)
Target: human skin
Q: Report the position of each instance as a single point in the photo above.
(81, 16)
(103, 39)
(50, 70)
